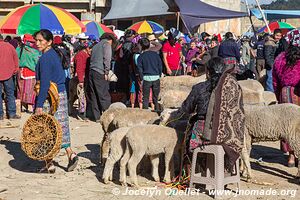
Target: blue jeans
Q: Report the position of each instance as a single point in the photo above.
(269, 81)
(9, 89)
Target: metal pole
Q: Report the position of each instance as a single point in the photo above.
(186, 26)
(178, 20)
(264, 17)
(249, 13)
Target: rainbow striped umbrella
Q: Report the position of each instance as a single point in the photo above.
(285, 27)
(34, 17)
(147, 27)
(95, 28)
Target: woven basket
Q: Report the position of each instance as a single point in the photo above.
(42, 137)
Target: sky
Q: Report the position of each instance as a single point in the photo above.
(260, 1)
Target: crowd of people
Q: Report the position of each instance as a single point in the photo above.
(139, 61)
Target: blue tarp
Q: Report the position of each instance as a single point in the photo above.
(196, 12)
(276, 14)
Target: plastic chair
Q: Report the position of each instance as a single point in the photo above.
(214, 175)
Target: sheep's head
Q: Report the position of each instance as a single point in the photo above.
(169, 114)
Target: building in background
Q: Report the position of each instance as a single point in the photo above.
(96, 9)
(223, 26)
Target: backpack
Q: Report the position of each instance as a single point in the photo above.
(64, 54)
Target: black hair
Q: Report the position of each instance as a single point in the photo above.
(208, 41)
(45, 33)
(228, 35)
(277, 31)
(63, 54)
(145, 43)
(8, 38)
(292, 55)
(171, 39)
(129, 33)
(215, 68)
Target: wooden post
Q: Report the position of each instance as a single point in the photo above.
(264, 17)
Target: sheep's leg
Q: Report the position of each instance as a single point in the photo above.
(114, 156)
(108, 169)
(105, 147)
(168, 158)
(155, 162)
(245, 156)
(123, 164)
(134, 160)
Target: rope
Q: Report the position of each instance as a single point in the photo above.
(181, 182)
(173, 120)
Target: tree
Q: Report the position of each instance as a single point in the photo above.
(283, 5)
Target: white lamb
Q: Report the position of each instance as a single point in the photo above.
(113, 119)
(271, 123)
(148, 140)
(117, 140)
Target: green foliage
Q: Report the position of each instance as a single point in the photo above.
(283, 5)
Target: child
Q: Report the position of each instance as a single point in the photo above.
(150, 70)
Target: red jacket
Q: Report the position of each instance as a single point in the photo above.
(9, 61)
(81, 60)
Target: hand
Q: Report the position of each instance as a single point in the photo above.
(169, 72)
(16, 71)
(106, 77)
(80, 85)
(193, 59)
(39, 111)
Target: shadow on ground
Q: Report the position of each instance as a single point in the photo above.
(93, 155)
(264, 155)
(20, 160)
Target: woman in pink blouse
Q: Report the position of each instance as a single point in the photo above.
(286, 82)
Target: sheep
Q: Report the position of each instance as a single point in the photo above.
(148, 140)
(265, 123)
(180, 82)
(117, 105)
(254, 94)
(175, 89)
(118, 142)
(174, 93)
(117, 118)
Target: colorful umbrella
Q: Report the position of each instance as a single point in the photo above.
(33, 17)
(275, 25)
(95, 28)
(147, 27)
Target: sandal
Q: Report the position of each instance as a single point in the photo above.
(72, 162)
(49, 168)
(291, 160)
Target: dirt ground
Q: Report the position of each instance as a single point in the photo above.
(19, 180)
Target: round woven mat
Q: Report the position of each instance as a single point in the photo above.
(42, 137)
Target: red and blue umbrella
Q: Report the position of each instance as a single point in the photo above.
(285, 27)
(95, 28)
(147, 27)
(34, 17)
